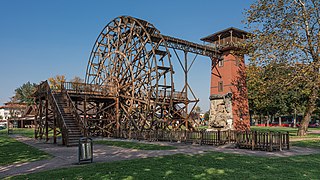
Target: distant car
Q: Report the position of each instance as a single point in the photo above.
(314, 125)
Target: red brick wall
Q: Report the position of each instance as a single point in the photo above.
(232, 73)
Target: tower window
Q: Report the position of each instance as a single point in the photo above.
(220, 64)
(220, 86)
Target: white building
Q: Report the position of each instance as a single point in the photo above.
(12, 111)
(4, 113)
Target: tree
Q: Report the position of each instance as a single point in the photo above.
(23, 94)
(287, 31)
(265, 95)
(207, 116)
(197, 110)
(55, 82)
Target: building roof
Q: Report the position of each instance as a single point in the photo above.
(12, 105)
(225, 33)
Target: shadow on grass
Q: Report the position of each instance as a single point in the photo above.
(13, 151)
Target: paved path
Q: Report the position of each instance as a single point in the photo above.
(67, 156)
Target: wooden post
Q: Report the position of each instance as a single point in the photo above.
(186, 87)
(271, 141)
(201, 137)
(85, 119)
(253, 139)
(117, 116)
(55, 130)
(35, 125)
(219, 136)
(231, 36)
(185, 136)
(47, 128)
(21, 122)
(280, 141)
(287, 139)
(265, 143)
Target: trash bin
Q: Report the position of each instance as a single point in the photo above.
(85, 153)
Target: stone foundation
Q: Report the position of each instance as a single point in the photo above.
(221, 112)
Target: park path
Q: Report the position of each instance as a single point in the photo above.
(67, 156)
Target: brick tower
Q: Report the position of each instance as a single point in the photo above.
(228, 92)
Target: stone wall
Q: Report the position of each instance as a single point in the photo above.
(221, 112)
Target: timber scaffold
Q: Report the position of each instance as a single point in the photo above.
(128, 87)
(129, 91)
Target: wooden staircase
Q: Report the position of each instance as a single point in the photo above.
(73, 133)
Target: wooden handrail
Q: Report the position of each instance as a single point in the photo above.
(81, 123)
(45, 86)
(87, 88)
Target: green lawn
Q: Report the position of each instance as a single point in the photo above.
(292, 131)
(28, 132)
(135, 145)
(307, 143)
(12, 151)
(207, 166)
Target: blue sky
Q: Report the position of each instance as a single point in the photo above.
(40, 39)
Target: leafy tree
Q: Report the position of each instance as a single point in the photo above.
(287, 31)
(55, 82)
(23, 94)
(207, 116)
(197, 111)
(267, 96)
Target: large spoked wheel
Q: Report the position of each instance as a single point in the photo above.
(137, 71)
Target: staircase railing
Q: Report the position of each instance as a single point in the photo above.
(81, 123)
(56, 109)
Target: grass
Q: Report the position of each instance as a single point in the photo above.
(135, 145)
(307, 143)
(206, 166)
(27, 132)
(292, 131)
(13, 151)
(202, 127)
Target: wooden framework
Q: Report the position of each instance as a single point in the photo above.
(128, 87)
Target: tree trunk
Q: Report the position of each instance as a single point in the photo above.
(302, 131)
(280, 123)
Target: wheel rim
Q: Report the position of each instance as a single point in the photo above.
(137, 71)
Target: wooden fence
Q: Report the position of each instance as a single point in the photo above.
(268, 141)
